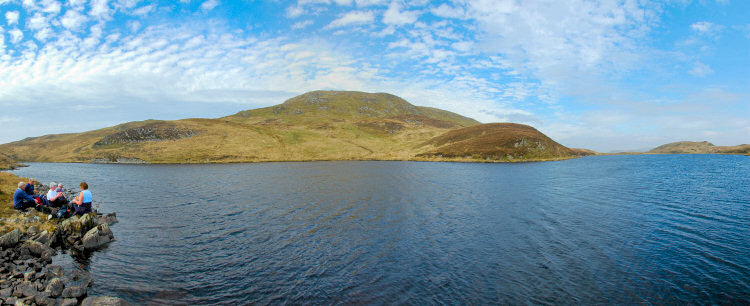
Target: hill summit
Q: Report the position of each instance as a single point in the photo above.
(319, 125)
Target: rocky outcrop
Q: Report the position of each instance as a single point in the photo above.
(157, 131)
(27, 276)
(10, 239)
(97, 237)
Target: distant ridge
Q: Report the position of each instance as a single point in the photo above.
(702, 147)
(318, 125)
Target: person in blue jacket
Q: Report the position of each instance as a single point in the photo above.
(83, 200)
(21, 200)
(29, 188)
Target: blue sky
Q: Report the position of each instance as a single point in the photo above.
(605, 75)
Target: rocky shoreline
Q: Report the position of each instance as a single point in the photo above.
(27, 275)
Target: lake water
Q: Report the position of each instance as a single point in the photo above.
(606, 229)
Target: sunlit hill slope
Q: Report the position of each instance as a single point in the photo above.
(702, 147)
(319, 125)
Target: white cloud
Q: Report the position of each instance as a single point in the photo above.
(37, 22)
(15, 35)
(11, 17)
(302, 24)
(395, 16)
(77, 5)
(73, 20)
(144, 10)
(706, 28)
(352, 18)
(447, 11)
(209, 5)
(701, 70)
(294, 11)
(100, 9)
(50, 6)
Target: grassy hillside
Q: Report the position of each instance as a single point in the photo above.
(7, 162)
(703, 147)
(497, 141)
(320, 125)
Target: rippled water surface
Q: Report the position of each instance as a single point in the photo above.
(607, 229)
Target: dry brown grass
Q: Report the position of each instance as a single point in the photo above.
(11, 218)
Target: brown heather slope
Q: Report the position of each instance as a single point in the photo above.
(702, 147)
(7, 162)
(498, 141)
(319, 125)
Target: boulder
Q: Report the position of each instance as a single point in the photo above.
(97, 237)
(43, 299)
(10, 239)
(74, 292)
(88, 221)
(109, 219)
(55, 287)
(55, 270)
(25, 289)
(7, 292)
(104, 301)
(68, 302)
(45, 238)
(40, 250)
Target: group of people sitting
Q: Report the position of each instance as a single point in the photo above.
(54, 203)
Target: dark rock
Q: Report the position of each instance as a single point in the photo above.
(55, 287)
(42, 300)
(10, 239)
(104, 301)
(45, 238)
(74, 292)
(25, 289)
(109, 219)
(68, 302)
(39, 249)
(55, 270)
(97, 237)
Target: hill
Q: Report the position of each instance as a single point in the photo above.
(319, 125)
(7, 162)
(497, 141)
(703, 147)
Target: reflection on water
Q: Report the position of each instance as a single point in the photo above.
(607, 229)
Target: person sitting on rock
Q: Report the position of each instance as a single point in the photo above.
(21, 200)
(29, 188)
(56, 198)
(83, 200)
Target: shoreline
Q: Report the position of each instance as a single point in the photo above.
(28, 241)
(416, 159)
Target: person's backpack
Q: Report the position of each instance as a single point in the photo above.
(63, 212)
